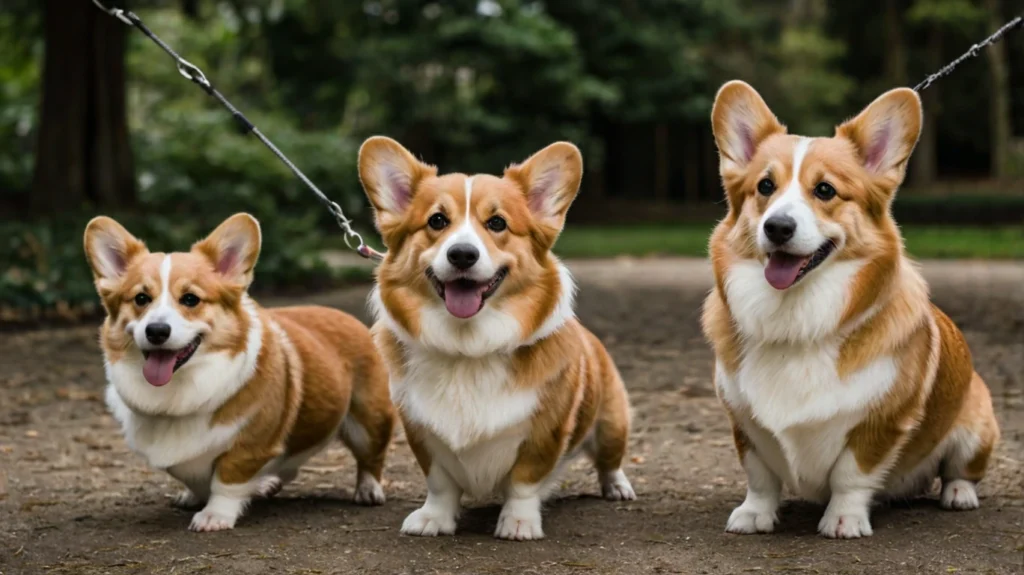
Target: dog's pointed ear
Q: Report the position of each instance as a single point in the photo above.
(550, 179)
(885, 133)
(740, 121)
(389, 174)
(233, 248)
(109, 248)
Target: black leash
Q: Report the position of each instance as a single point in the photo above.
(973, 52)
(193, 73)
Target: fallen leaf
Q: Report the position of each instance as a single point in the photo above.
(32, 433)
(637, 459)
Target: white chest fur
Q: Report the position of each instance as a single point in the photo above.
(462, 400)
(787, 392)
(474, 416)
(169, 441)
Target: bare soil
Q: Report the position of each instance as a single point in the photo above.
(73, 499)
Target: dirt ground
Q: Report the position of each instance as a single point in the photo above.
(73, 499)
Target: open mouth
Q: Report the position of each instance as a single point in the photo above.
(161, 364)
(784, 269)
(464, 297)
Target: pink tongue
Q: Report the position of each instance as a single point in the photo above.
(159, 367)
(463, 299)
(782, 269)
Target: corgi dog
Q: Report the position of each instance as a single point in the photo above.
(229, 398)
(496, 382)
(841, 379)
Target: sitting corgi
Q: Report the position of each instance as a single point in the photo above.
(229, 398)
(840, 377)
(496, 382)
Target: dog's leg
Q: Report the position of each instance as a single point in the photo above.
(367, 429)
(608, 442)
(848, 515)
(968, 449)
(236, 479)
(440, 511)
(759, 511)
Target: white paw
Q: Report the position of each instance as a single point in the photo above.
(428, 522)
(187, 500)
(369, 491)
(960, 495)
(269, 486)
(207, 520)
(845, 525)
(746, 520)
(616, 487)
(519, 527)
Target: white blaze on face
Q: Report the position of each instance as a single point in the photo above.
(484, 268)
(793, 202)
(163, 310)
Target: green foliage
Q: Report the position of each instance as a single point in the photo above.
(19, 81)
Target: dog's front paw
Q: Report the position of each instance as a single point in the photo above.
(960, 495)
(845, 525)
(519, 526)
(746, 520)
(187, 500)
(208, 520)
(616, 487)
(428, 523)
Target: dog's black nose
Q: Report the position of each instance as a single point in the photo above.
(157, 333)
(779, 229)
(463, 256)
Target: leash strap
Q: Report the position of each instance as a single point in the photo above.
(973, 52)
(193, 73)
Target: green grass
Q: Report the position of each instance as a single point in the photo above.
(996, 242)
(943, 242)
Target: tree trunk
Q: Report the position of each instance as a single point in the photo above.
(190, 8)
(1000, 122)
(692, 164)
(662, 161)
(83, 154)
(924, 164)
(896, 58)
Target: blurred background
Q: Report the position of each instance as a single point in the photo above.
(95, 119)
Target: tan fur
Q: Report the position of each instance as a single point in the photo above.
(580, 392)
(887, 313)
(315, 365)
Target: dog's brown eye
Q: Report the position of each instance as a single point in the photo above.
(766, 187)
(438, 221)
(142, 300)
(824, 191)
(497, 224)
(189, 300)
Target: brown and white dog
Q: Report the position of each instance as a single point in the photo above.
(229, 398)
(495, 380)
(841, 379)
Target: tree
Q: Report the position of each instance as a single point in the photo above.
(1000, 120)
(83, 152)
(938, 17)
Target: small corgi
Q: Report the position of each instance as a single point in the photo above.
(840, 377)
(496, 382)
(227, 397)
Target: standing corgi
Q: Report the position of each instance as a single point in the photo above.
(229, 398)
(495, 380)
(840, 377)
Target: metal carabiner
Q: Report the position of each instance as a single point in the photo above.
(115, 12)
(191, 71)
